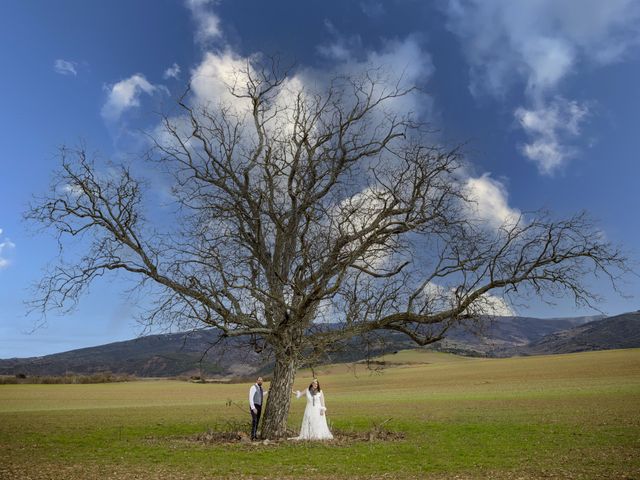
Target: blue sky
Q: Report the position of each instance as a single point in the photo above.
(544, 93)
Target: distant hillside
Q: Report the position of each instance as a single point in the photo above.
(202, 353)
(500, 335)
(151, 356)
(621, 331)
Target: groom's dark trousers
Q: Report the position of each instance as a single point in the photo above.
(255, 420)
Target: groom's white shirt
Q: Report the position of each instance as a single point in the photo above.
(252, 392)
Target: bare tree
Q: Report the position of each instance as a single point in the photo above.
(304, 219)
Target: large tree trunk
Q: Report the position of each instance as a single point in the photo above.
(274, 424)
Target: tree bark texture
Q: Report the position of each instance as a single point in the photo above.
(274, 424)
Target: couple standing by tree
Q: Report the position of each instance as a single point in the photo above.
(299, 206)
(314, 422)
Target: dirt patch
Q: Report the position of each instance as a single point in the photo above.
(211, 437)
(373, 435)
(340, 437)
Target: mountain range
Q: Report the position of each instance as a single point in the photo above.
(204, 353)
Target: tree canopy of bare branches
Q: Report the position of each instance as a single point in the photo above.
(304, 218)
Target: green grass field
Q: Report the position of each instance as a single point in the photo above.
(565, 416)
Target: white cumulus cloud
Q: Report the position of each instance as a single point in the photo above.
(538, 44)
(493, 305)
(65, 67)
(402, 62)
(550, 127)
(490, 202)
(441, 298)
(211, 79)
(5, 245)
(207, 23)
(399, 62)
(540, 40)
(125, 94)
(172, 72)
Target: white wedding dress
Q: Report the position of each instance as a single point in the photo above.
(314, 422)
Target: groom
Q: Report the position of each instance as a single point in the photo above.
(255, 405)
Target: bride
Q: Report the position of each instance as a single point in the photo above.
(314, 423)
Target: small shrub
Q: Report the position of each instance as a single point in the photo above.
(6, 380)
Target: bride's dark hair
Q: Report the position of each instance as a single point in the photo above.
(311, 385)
